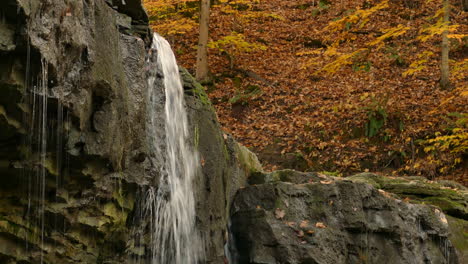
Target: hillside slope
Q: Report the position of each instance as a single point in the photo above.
(363, 116)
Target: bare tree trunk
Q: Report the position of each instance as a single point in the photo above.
(444, 65)
(202, 55)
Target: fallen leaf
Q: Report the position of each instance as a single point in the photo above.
(441, 216)
(300, 233)
(384, 193)
(323, 176)
(320, 225)
(304, 224)
(326, 182)
(279, 214)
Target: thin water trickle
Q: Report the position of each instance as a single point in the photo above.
(171, 206)
(230, 249)
(37, 141)
(43, 142)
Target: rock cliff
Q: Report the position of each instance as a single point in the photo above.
(74, 157)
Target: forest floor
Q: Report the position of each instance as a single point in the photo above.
(365, 116)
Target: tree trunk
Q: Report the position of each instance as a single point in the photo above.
(444, 65)
(202, 55)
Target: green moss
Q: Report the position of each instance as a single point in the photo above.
(124, 199)
(459, 235)
(196, 135)
(368, 178)
(280, 204)
(112, 211)
(197, 89)
(51, 166)
(225, 151)
(248, 160)
(332, 173)
(88, 219)
(284, 175)
(420, 190)
(449, 206)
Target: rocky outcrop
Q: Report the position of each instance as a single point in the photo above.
(292, 217)
(74, 153)
(225, 168)
(451, 197)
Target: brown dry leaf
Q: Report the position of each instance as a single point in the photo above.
(320, 225)
(259, 207)
(203, 162)
(300, 233)
(323, 176)
(441, 216)
(330, 202)
(310, 232)
(291, 224)
(304, 224)
(326, 182)
(279, 214)
(384, 193)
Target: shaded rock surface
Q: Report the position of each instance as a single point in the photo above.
(293, 217)
(75, 199)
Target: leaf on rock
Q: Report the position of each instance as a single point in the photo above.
(279, 214)
(320, 225)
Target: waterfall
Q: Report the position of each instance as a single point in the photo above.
(171, 206)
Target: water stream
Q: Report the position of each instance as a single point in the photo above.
(171, 206)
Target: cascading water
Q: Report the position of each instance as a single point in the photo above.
(171, 206)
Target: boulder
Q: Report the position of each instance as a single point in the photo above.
(293, 217)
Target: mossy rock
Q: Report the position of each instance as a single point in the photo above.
(248, 160)
(451, 197)
(192, 87)
(459, 237)
(287, 175)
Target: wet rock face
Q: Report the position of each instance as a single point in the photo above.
(73, 76)
(225, 166)
(70, 199)
(318, 219)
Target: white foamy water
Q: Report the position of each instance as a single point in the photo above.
(171, 206)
